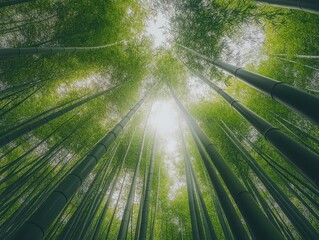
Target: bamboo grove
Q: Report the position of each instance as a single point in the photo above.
(107, 135)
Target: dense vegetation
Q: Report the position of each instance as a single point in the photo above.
(65, 130)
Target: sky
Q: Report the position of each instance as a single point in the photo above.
(156, 28)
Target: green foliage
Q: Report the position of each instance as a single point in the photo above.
(32, 85)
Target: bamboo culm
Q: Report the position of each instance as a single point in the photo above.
(233, 219)
(260, 225)
(211, 234)
(108, 202)
(303, 158)
(34, 125)
(115, 208)
(139, 216)
(304, 5)
(190, 194)
(294, 215)
(11, 52)
(156, 204)
(13, 2)
(39, 222)
(129, 203)
(294, 98)
(218, 210)
(146, 204)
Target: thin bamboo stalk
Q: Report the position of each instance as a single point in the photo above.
(146, 204)
(129, 203)
(10, 52)
(34, 125)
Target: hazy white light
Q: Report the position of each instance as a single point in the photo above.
(156, 28)
(164, 118)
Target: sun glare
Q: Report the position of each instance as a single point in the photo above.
(164, 117)
(156, 28)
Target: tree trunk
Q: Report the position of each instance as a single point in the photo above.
(139, 217)
(115, 208)
(304, 5)
(297, 55)
(156, 204)
(210, 232)
(295, 62)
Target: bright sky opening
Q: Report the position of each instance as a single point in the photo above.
(164, 117)
(156, 28)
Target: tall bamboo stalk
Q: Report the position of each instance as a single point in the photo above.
(295, 62)
(69, 228)
(10, 52)
(210, 231)
(139, 216)
(294, 215)
(302, 157)
(218, 210)
(156, 204)
(106, 206)
(294, 98)
(40, 221)
(12, 2)
(130, 200)
(108, 230)
(305, 5)
(146, 204)
(260, 225)
(233, 219)
(190, 193)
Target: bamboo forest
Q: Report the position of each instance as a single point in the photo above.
(158, 119)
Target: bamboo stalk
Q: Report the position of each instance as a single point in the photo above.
(303, 158)
(302, 102)
(40, 221)
(260, 225)
(11, 52)
(304, 5)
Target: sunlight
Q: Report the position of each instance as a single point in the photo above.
(164, 118)
(156, 28)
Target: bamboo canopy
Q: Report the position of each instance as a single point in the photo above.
(127, 140)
